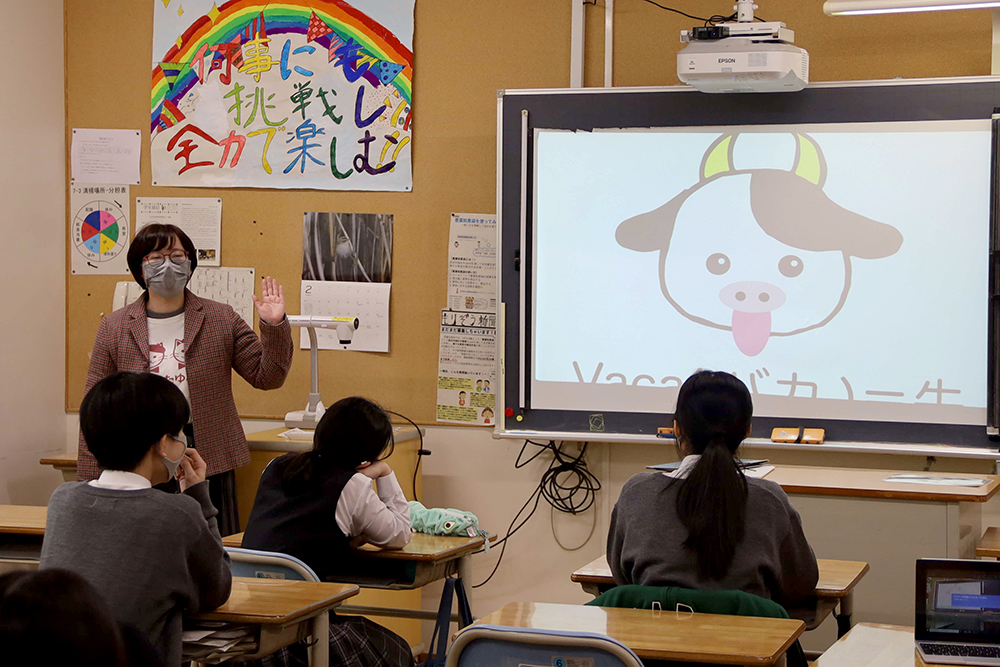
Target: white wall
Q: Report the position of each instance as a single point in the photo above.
(32, 213)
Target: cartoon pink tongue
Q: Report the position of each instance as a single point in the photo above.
(751, 331)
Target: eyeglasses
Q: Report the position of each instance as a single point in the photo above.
(155, 259)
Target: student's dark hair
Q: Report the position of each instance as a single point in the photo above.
(157, 237)
(353, 430)
(54, 617)
(125, 414)
(713, 416)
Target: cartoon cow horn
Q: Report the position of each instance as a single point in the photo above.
(718, 158)
(809, 161)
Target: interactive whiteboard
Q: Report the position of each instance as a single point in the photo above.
(838, 263)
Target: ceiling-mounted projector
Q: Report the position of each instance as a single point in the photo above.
(743, 57)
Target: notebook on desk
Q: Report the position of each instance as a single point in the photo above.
(958, 611)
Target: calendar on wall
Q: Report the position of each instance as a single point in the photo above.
(232, 286)
(368, 302)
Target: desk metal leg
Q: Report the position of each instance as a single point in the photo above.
(465, 574)
(319, 653)
(844, 615)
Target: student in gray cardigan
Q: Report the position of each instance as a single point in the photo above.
(706, 526)
(153, 555)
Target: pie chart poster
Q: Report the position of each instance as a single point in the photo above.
(99, 229)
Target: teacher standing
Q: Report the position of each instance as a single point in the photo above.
(196, 344)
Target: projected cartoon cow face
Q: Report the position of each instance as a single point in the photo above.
(759, 252)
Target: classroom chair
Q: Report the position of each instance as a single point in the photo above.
(269, 565)
(501, 646)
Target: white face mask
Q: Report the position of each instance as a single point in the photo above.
(170, 464)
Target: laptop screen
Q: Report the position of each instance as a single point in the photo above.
(958, 600)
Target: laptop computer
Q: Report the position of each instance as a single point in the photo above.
(958, 611)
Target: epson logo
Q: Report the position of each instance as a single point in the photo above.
(727, 60)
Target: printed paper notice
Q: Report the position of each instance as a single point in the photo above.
(368, 302)
(467, 368)
(199, 217)
(472, 263)
(99, 229)
(229, 285)
(105, 156)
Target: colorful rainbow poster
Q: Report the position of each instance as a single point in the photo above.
(310, 94)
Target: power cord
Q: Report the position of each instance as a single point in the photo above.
(567, 485)
(421, 452)
(711, 20)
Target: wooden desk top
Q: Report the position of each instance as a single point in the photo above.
(664, 635)
(266, 440)
(422, 547)
(67, 459)
(868, 483)
(277, 601)
(873, 646)
(837, 578)
(23, 519)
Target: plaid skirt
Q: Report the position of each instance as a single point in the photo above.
(354, 642)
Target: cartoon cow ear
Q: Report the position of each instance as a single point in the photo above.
(809, 161)
(719, 157)
(652, 230)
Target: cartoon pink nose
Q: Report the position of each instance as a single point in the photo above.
(751, 296)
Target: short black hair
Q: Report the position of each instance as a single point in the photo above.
(55, 617)
(126, 414)
(157, 237)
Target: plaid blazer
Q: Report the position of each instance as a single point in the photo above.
(217, 341)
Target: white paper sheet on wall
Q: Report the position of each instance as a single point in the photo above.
(199, 217)
(472, 263)
(369, 302)
(105, 156)
(233, 286)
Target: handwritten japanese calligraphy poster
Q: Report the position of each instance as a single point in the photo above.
(297, 94)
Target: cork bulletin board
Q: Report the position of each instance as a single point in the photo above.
(464, 53)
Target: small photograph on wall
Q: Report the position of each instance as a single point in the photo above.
(347, 246)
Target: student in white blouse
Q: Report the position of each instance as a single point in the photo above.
(317, 505)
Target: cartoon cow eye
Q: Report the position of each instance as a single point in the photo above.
(717, 264)
(790, 266)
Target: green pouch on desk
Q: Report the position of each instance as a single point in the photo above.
(437, 521)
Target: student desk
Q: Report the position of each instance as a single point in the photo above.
(425, 559)
(837, 579)
(21, 530)
(664, 635)
(874, 645)
(281, 608)
(853, 514)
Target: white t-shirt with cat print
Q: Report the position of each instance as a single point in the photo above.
(166, 350)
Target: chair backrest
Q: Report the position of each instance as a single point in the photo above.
(502, 646)
(730, 603)
(269, 565)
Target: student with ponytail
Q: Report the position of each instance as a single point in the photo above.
(707, 526)
(316, 505)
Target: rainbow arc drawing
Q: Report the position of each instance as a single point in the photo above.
(297, 94)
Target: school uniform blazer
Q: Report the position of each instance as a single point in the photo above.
(217, 341)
